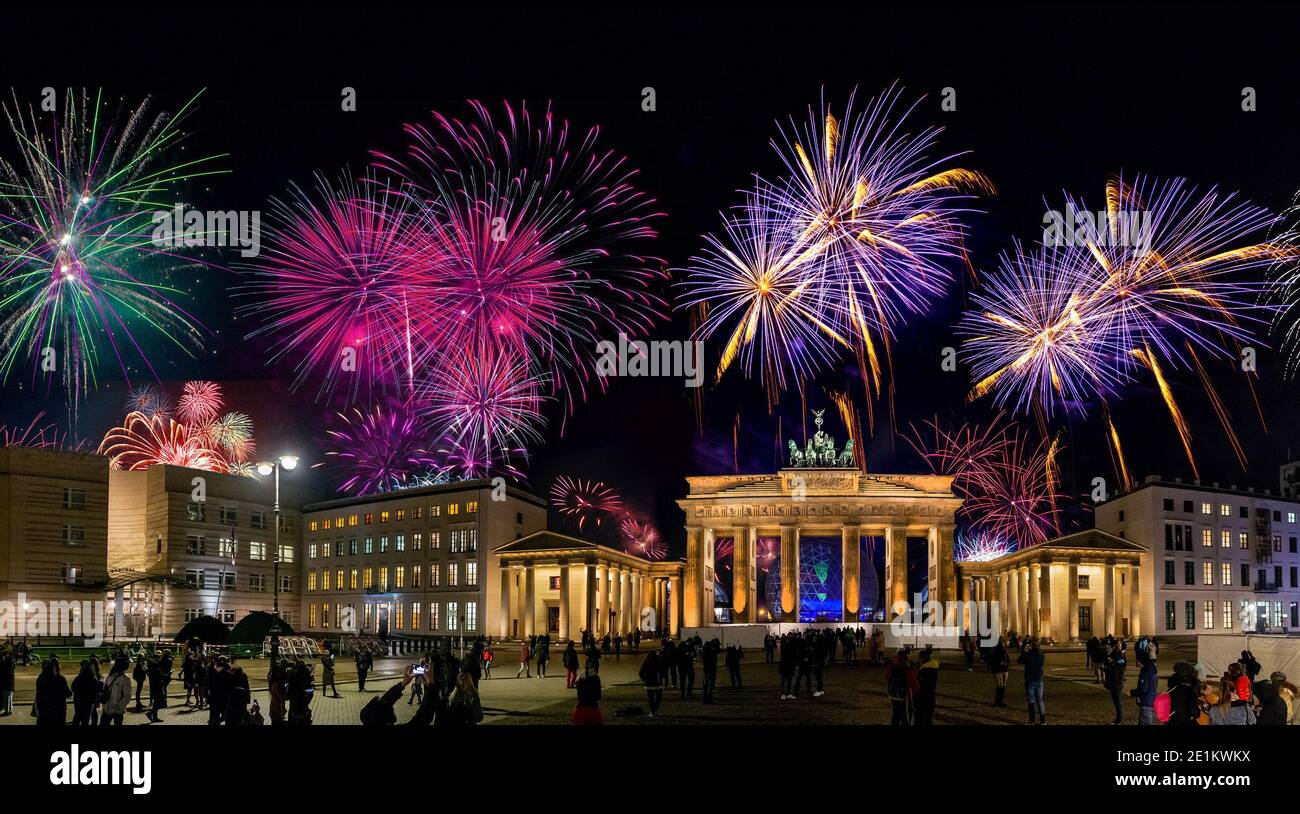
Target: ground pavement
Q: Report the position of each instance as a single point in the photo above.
(855, 694)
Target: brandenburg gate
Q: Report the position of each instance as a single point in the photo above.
(820, 494)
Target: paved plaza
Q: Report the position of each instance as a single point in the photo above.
(855, 694)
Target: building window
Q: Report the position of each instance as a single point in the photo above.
(417, 513)
(352, 546)
(471, 507)
(453, 574)
(472, 541)
(399, 542)
(1121, 515)
(74, 499)
(226, 549)
(327, 524)
(383, 517)
(192, 613)
(229, 515)
(1227, 614)
(399, 577)
(417, 576)
(370, 518)
(1169, 572)
(227, 617)
(71, 573)
(383, 544)
(1291, 542)
(1290, 517)
(256, 551)
(352, 579)
(435, 511)
(1225, 573)
(401, 515)
(311, 616)
(1083, 582)
(1189, 614)
(1243, 540)
(1171, 615)
(325, 548)
(194, 544)
(1207, 538)
(417, 541)
(338, 579)
(1208, 616)
(435, 540)
(1225, 539)
(471, 616)
(194, 577)
(1225, 510)
(286, 553)
(74, 536)
(519, 518)
(286, 584)
(453, 622)
(197, 512)
(370, 545)
(471, 576)
(1187, 507)
(435, 575)
(1293, 577)
(312, 551)
(258, 519)
(415, 616)
(453, 509)
(257, 583)
(1189, 572)
(1245, 575)
(1169, 504)
(325, 580)
(352, 520)
(1277, 542)
(1295, 615)
(1207, 573)
(433, 615)
(399, 620)
(383, 578)
(1206, 509)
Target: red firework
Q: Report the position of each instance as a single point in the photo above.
(200, 403)
(585, 501)
(641, 539)
(144, 441)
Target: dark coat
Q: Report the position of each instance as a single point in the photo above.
(52, 694)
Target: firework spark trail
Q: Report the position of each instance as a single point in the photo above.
(80, 272)
(981, 546)
(585, 500)
(144, 441)
(1008, 484)
(37, 436)
(335, 277)
(199, 436)
(641, 539)
(838, 253)
(150, 399)
(534, 233)
(379, 450)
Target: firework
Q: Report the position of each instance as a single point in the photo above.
(150, 399)
(200, 403)
(642, 539)
(585, 501)
(143, 441)
(336, 288)
(527, 241)
(980, 547)
(234, 433)
(487, 405)
(854, 239)
(80, 271)
(1164, 275)
(36, 436)
(1008, 484)
(379, 450)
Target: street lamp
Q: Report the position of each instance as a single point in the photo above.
(266, 468)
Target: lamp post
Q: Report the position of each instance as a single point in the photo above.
(267, 468)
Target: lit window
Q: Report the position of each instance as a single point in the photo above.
(417, 571)
(257, 551)
(416, 514)
(370, 545)
(399, 577)
(1225, 576)
(453, 574)
(352, 579)
(435, 540)
(471, 575)
(1243, 539)
(1290, 517)
(433, 615)
(1207, 573)
(1206, 509)
(1227, 614)
(415, 616)
(435, 574)
(401, 515)
(453, 623)
(325, 580)
(1209, 614)
(338, 522)
(435, 511)
(370, 518)
(352, 520)
(399, 542)
(471, 507)
(383, 544)
(313, 526)
(383, 517)
(453, 508)
(1225, 539)
(327, 524)
(398, 616)
(1207, 537)
(471, 615)
(383, 578)
(417, 541)
(1225, 510)
(325, 614)
(369, 575)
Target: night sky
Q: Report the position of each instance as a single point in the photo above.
(1047, 101)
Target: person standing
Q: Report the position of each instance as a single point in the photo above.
(525, 660)
(1148, 680)
(1115, 665)
(652, 676)
(902, 685)
(927, 680)
(463, 705)
(786, 666)
(364, 663)
(734, 654)
(117, 693)
(327, 675)
(709, 661)
(570, 660)
(999, 665)
(52, 694)
(140, 673)
(769, 648)
(1033, 660)
(85, 694)
(277, 683)
(543, 654)
(8, 667)
(686, 667)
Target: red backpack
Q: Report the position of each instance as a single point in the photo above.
(1162, 707)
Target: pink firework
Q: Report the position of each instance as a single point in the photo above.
(379, 450)
(1008, 483)
(341, 286)
(485, 404)
(36, 436)
(144, 441)
(642, 539)
(527, 239)
(200, 403)
(585, 501)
